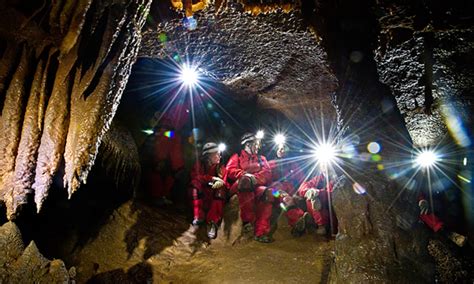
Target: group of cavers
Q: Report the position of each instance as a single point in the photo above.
(262, 187)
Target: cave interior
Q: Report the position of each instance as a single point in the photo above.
(86, 87)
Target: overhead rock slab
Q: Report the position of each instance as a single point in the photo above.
(273, 56)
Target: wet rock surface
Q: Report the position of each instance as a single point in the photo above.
(379, 237)
(425, 56)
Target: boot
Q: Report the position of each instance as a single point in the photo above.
(321, 230)
(212, 232)
(264, 239)
(458, 239)
(247, 228)
(300, 225)
(197, 222)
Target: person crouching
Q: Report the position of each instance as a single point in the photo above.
(208, 189)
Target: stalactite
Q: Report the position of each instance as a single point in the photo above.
(30, 135)
(54, 133)
(11, 122)
(91, 45)
(91, 116)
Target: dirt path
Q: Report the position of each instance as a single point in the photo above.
(287, 260)
(143, 244)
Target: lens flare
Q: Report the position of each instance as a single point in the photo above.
(359, 189)
(325, 153)
(260, 134)
(169, 133)
(189, 75)
(279, 139)
(427, 159)
(222, 147)
(373, 147)
(148, 131)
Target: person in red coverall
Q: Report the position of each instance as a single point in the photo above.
(315, 191)
(287, 176)
(249, 173)
(208, 189)
(167, 161)
(432, 219)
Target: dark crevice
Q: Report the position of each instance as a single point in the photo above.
(8, 77)
(51, 73)
(89, 48)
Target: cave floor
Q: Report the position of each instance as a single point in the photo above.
(287, 260)
(143, 244)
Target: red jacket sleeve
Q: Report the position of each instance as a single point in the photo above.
(312, 183)
(199, 177)
(264, 176)
(233, 170)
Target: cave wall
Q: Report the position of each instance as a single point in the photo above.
(63, 69)
(425, 56)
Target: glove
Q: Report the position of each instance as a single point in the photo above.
(316, 203)
(311, 194)
(423, 204)
(218, 182)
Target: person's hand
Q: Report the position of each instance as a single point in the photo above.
(218, 182)
(252, 178)
(424, 207)
(311, 194)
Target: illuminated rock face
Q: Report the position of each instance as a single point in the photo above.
(63, 71)
(272, 56)
(425, 57)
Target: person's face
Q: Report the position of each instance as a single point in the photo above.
(254, 146)
(280, 152)
(214, 158)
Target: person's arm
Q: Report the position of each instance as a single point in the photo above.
(198, 176)
(264, 176)
(233, 170)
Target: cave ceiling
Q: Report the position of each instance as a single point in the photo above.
(272, 56)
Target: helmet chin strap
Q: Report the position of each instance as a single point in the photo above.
(248, 149)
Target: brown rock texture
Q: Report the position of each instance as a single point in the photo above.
(64, 67)
(26, 265)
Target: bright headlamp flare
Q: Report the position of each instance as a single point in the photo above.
(325, 153)
(426, 159)
(221, 147)
(280, 139)
(259, 134)
(189, 75)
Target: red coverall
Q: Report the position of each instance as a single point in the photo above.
(167, 160)
(430, 219)
(253, 208)
(287, 176)
(320, 217)
(204, 197)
